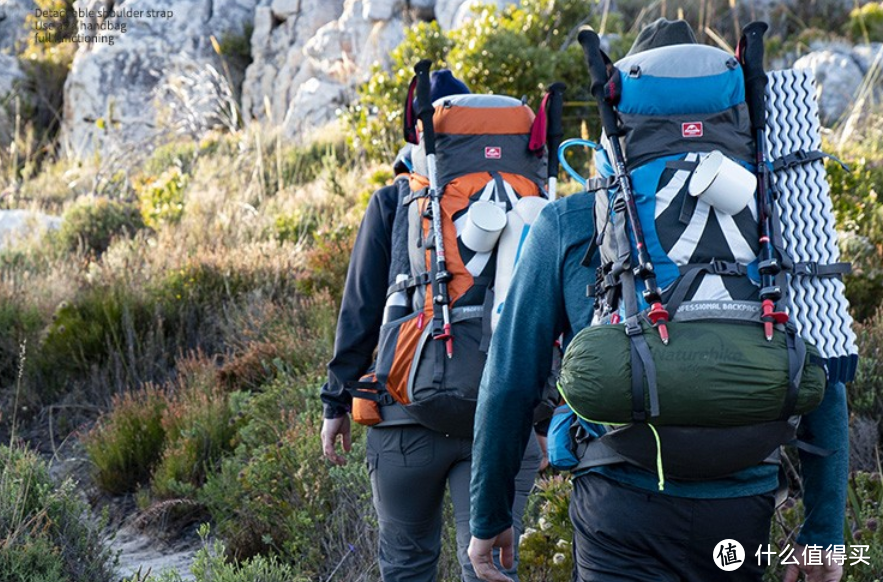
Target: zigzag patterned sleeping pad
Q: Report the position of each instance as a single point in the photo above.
(818, 304)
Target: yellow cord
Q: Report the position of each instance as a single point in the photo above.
(659, 471)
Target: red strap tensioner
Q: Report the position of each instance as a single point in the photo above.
(770, 316)
(658, 316)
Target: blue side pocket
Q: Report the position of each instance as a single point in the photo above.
(562, 445)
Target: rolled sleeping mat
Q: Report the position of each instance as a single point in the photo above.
(509, 246)
(818, 304)
(712, 373)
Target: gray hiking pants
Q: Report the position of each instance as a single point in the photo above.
(409, 468)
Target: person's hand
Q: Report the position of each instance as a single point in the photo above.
(828, 571)
(543, 440)
(331, 428)
(481, 554)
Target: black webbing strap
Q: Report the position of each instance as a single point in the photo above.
(777, 239)
(682, 165)
(801, 156)
(796, 361)
(600, 183)
(689, 274)
(438, 371)
(487, 309)
(369, 391)
(814, 269)
(811, 449)
(500, 190)
(641, 359)
(688, 207)
(643, 366)
(422, 193)
(418, 280)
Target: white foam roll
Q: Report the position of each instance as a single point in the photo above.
(723, 183)
(484, 223)
(520, 218)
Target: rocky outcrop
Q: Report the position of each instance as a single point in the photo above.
(309, 58)
(111, 94)
(840, 70)
(12, 23)
(452, 14)
(15, 224)
(10, 75)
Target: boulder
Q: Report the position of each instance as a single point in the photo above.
(112, 89)
(10, 75)
(838, 77)
(452, 14)
(15, 224)
(312, 75)
(277, 52)
(12, 23)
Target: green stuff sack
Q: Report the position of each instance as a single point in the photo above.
(714, 374)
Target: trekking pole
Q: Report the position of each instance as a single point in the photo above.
(750, 55)
(657, 315)
(556, 133)
(441, 301)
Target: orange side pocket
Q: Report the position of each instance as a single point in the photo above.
(366, 411)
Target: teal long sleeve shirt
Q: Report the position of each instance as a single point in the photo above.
(547, 298)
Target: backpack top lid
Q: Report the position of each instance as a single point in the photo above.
(481, 133)
(678, 79)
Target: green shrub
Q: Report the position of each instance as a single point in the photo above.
(545, 552)
(199, 425)
(98, 322)
(178, 154)
(517, 51)
(864, 513)
(865, 394)
(20, 322)
(161, 198)
(866, 23)
(128, 442)
(212, 565)
(274, 493)
(327, 261)
(91, 224)
(45, 532)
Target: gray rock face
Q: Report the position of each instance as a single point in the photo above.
(117, 81)
(453, 13)
(12, 23)
(838, 77)
(310, 63)
(10, 75)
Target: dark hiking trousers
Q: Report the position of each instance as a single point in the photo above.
(625, 534)
(410, 466)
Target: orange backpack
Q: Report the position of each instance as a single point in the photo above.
(426, 361)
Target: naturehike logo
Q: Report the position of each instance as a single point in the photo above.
(691, 129)
(493, 153)
(728, 555)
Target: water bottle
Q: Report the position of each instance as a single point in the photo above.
(397, 304)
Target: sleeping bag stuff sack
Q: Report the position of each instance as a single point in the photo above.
(708, 375)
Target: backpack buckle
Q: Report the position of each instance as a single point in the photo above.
(720, 267)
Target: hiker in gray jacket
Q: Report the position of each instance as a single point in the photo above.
(410, 465)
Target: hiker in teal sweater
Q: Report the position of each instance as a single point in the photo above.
(624, 527)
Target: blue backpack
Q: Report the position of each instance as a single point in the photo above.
(680, 110)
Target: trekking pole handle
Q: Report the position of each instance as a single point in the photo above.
(598, 70)
(424, 104)
(751, 55)
(556, 125)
